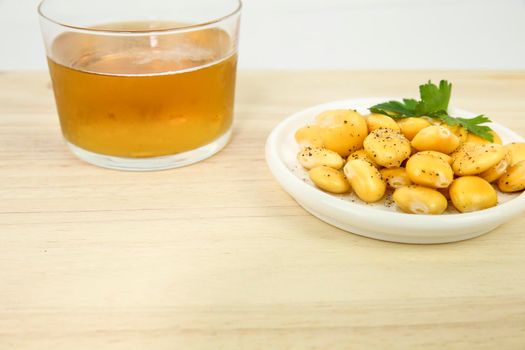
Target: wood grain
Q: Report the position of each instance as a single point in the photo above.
(217, 256)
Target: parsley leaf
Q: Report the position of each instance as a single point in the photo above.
(396, 109)
(472, 125)
(433, 98)
(434, 104)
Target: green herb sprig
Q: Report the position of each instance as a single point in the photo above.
(434, 104)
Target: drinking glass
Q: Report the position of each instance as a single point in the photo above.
(143, 85)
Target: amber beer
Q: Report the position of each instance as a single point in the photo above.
(145, 96)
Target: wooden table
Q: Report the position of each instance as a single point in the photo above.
(217, 256)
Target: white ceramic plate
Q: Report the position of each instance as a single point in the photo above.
(379, 221)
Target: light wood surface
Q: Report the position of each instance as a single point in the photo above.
(217, 256)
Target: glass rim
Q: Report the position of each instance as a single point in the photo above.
(183, 28)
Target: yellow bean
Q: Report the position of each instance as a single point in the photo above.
(436, 138)
(329, 179)
(361, 154)
(440, 155)
(396, 177)
(514, 179)
(497, 170)
(432, 121)
(309, 136)
(365, 179)
(312, 157)
(428, 170)
(472, 193)
(420, 200)
(459, 131)
(387, 147)
(478, 140)
(376, 121)
(411, 126)
(342, 131)
(517, 152)
(474, 159)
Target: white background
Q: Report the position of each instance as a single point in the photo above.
(335, 34)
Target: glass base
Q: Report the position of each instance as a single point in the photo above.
(154, 163)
